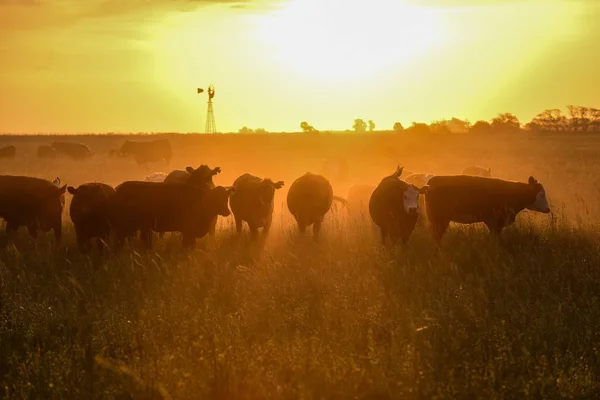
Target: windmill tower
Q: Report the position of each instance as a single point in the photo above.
(211, 126)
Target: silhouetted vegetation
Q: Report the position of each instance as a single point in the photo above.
(288, 318)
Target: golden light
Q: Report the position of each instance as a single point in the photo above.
(340, 40)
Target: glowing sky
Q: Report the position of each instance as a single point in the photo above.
(134, 65)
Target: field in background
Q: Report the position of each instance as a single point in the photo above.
(290, 318)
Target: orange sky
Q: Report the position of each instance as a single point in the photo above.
(134, 65)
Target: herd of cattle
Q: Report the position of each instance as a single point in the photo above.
(142, 152)
(187, 201)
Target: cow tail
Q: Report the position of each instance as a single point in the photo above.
(341, 200)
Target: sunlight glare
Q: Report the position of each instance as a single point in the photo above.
(341, 40)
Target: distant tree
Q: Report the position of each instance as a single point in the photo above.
(398, 127)
(371, 125)
(245, 130)
(457, 125)
(480, 127)
(260, 130)
(306, 128)
(506, 122)
(440, 126)
(548, 121)
(418, 128)
(359, 126)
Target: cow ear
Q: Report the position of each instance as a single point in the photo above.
(278, 185)
(398, 171)
(216, 170)
(423, 190)
(62, 190)
(532, 180)
(71, 190)
(190, 170)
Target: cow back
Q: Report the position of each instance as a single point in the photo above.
(310, 197)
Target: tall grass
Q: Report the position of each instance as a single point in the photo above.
(291, 318)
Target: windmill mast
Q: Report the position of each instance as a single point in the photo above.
(211, 126)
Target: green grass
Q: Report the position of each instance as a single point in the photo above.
(290, 318)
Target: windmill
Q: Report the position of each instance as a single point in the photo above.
(211, 126)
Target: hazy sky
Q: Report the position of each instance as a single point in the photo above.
(134, 65)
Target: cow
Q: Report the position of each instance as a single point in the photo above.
(32, 202)
(146, 152)
(8, 152)
(76, 151)
(393, 207)
(45, 151)
(166, 207)
(358, 199)
(90, 213)
(470, 199)
(155, 177)
(203, 175)
(477, 171)
(309, 199)
(253, 202)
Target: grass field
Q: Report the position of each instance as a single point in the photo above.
(290, 318)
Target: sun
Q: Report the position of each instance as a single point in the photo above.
(340, 40)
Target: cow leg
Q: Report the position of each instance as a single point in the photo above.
(101, 243)
(213, 227)
(238, 224)
(119, 241)
(32, 229)
(11, 228)
(267, 225)
(495, 227)
(438, 229)
(147, 238)
(253, 231)
(188, 242)
(317, 227)
(384, 233)
(84, 244)
(301, 227)
(57, 228)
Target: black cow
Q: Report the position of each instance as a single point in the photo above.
(166, 207)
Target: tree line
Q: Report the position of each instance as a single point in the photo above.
(576, 119)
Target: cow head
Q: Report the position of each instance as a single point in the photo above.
(202, 174)
(220, 199)
(541, 202)
(411, 198)
(267, 191)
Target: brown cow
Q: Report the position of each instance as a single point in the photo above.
(253, 202)
(469, 199)
(76, 151)
(394, 207)
(90, 213)
(309, 199)
(146, 152)
(8, 152)
(32, 202)
(203, 175)
(166, 207)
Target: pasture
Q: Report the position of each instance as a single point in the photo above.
(291, 318)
